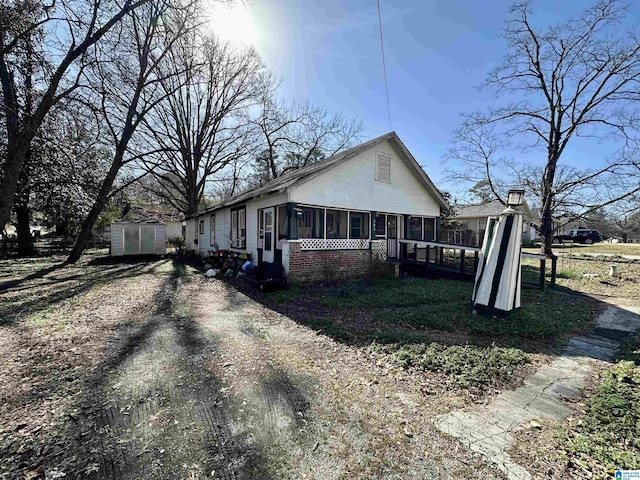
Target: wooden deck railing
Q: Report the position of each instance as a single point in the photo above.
(448, 259)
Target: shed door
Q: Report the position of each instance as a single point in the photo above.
(131, 239)
(148, 239)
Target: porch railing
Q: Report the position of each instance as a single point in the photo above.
(461, 261)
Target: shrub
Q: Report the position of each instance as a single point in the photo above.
(177, 242)
(465, 365)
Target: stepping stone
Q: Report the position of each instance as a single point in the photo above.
(488, 430)
(561, 391)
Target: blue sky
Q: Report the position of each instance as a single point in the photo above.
(437, 53)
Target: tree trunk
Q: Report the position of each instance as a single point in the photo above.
(21, 208)
(87, 225)
(16, 155)
(546, 230)
(25, 241)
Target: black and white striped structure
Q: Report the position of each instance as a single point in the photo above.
(498, 279)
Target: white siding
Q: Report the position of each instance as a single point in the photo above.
(223, 227)
(117, 240)
(352, 185)
(161, 239)
(190, 235)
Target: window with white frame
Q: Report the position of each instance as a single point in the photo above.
(430, 229)
(337, 224)
(383, 167)
(359, 225)
(212, 229)
(311, 223)
(414, 228)
(239, 227)
(381, 224)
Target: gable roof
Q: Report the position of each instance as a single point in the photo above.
(304, 174)
(490, 209)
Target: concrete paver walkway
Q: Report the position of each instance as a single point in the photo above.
(488, 430)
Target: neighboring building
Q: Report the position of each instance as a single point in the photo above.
(470, 222)
(331, 218)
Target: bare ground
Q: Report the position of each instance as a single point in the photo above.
(146, 370)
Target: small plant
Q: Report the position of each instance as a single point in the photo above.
(178, 243)
(607, 437)
(465, 365)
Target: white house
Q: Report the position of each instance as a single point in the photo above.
(330, 218)
(471, 222)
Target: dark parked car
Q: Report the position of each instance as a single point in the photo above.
(582, 235)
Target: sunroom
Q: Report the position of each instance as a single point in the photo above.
(315, 229)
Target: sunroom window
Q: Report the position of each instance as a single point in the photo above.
(311, 223)
(429, 229)
(414, 228)
(381, 223)
(336, 224)
(359, 225)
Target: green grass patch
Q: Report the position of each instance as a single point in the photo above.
(542, 316)
(446, 305)
(631, 352)
(465, 365)
(609, 434)
(565, 274)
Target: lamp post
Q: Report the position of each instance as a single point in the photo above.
(498, 279)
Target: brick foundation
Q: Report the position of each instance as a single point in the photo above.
(311, 265)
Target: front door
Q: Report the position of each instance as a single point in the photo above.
(392, 236)
(268, 245)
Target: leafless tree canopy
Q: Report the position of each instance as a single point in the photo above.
(199, 127)
(125, 84)
(293, 135)
(576, 79)
(62, 32)
(158, 96)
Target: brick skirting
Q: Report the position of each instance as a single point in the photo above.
(309, 265)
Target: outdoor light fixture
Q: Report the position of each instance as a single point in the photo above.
(515, 198)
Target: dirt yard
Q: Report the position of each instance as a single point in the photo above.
(148, 370)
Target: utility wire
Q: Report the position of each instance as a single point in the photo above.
(384, 65)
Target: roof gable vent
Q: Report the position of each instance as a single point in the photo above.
(383, 167)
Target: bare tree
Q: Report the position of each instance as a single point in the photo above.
(200, 126)
(126, 77)
(69, 29)
(576, 79)
(294, 135)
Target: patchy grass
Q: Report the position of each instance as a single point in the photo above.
(608, 436)
(446, 305)
(429, 325)
(631, 351)
(603, 248)
(466, 366)
(571, 275)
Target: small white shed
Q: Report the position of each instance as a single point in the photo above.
(138, 238)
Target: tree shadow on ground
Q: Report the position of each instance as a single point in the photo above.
(37, 292)
(101, 440)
